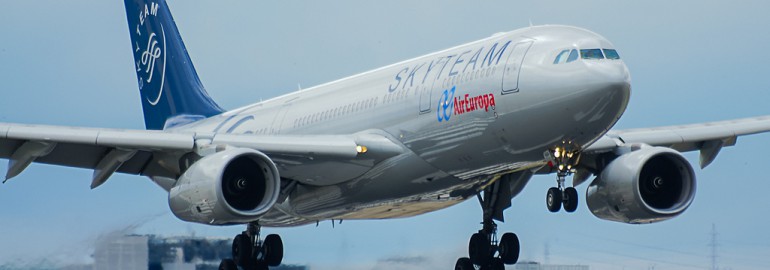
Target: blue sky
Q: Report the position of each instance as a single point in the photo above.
(70, 63)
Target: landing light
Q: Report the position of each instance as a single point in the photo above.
(361, 149)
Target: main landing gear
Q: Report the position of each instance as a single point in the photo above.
(251, 253)
(563, 159)
(483, 246)
(485, 250)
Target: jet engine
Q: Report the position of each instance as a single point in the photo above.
(644, 186)
(233, 186)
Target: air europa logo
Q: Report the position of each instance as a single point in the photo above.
(150, 54)
(449, 105)
(469, 104)
(445, 105)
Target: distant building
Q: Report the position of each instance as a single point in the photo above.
(135, 252)
(194, 253)
(178, 263)
(538, 266)
(122, 253)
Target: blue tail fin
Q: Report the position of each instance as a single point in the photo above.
(170, 89)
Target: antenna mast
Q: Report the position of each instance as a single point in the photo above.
(714, 245)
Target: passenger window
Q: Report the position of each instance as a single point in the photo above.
(591, 54)
(573, 55)
(562, 57)
(611, 54)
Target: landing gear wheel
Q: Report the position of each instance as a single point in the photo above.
(464, 264)
(570, 199)
(249, 253)
(478, 249)
(273, 250)
(553, 199)
(259, 265)
(509, 248)
(485, 250)
(242, 250)
(496, 264)
(227, 264)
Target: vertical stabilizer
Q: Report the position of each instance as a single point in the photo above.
(170, 89)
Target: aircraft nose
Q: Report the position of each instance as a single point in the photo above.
(607, 90)
(613, 75)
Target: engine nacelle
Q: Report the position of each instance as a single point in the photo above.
(233, 186)
(648, 185)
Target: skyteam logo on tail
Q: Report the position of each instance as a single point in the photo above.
(150, 54)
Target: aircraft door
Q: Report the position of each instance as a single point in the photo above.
(425, 98)
(277, 126)
(513, 67)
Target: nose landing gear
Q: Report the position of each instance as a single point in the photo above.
(563, 158)
(250, 253)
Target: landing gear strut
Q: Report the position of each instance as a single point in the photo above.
(563, 158)
(251, 253)
(485, 249)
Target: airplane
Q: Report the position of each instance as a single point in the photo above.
(477, 120)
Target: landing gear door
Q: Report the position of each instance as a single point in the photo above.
(513, 67)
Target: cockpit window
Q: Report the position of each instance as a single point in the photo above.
(566, 56)
(611, 54)
(573, 55)
(562, 57)
(591, 54)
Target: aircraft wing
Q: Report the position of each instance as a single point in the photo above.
(708, 138)
(159, 153)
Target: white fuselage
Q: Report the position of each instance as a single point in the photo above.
(467, 114)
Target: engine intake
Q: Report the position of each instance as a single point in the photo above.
(648, 185)
(233, 186)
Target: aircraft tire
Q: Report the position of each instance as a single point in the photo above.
(260, 265)
(553, 200)
(570, 199)
(479, 249)
(509, 248)
(464, 264)
(273, 250)
(242, 250)
(496, 264)
(228, 264)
